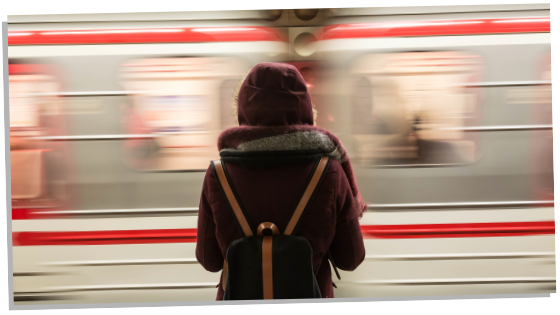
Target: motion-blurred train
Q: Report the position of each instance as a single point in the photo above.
(445, 111)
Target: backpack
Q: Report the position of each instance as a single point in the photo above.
(269, 264)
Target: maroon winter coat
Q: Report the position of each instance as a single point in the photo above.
(270, 193)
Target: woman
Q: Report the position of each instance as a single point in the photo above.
(269, 157)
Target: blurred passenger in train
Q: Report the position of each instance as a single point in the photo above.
(391, 115)
(395, 134)
(269, 158)
(390, 136)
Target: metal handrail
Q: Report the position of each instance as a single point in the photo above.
(423, 257)
(496, 128)
(114, 137)
(91, 93)
(460, 205)
(410, 282)
(163, 286)
(125, 93)
(503, 83)
(420, 257)
(38, 274)
(190, 210)
(371, 208)
(407, 282)
(91, 263)
(151, 136)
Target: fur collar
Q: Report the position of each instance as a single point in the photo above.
(268, 146)
(306, 141)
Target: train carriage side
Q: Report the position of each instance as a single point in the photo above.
(444, 150)
(144, 107)
(466, 222)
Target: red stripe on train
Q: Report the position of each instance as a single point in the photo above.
(154, 35)
(104, 237)
(23, 214)
(458, 230)
(436, 28)
(369, 231)
(15, 69)
(36, 214)
(238, 34)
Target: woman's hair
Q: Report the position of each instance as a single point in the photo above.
(236, 97)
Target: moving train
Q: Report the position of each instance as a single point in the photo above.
(445, 112)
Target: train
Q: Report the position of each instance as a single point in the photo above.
(445, 112)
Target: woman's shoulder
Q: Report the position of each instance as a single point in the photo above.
(209, 178)
(334, 167)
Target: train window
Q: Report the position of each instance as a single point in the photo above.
(176, 105)
(31, 96)
(411, 108)
(36, 176)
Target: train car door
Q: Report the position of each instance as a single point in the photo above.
(39, 172)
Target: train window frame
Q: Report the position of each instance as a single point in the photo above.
(214, 109)
(476, 112)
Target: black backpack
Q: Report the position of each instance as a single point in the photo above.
(267, 264)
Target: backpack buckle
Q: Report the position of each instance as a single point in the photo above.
(267, 226)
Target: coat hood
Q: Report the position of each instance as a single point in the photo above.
(274, 94)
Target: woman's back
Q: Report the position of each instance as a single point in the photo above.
(269, 159)
(270, 195)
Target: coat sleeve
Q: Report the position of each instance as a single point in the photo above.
(347, 247)
(208, 252)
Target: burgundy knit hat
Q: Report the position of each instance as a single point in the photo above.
(274, 94)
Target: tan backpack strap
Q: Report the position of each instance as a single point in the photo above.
(224, 275)
(236, 211)
(231, 198)
(307, 195)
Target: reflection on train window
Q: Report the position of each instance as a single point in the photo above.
(411, 108)
(37, 166)
(175, 105)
